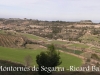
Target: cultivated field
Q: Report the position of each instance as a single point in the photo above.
(18, 56)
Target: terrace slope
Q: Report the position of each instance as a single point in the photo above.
(11, 40)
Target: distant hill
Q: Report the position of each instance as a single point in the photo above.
(86, 21)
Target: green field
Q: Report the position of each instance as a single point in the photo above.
(2, 31)
(95, 49)
(69, 60)
(79, 45)
(30, 36)
(33, 36)
(90, 38)
(71, 51)
(18, 55)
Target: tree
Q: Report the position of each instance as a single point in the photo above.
(28, 60)
(95, 56)
(50, 58)
(56, 30)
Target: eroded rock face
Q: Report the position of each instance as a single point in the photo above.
(19, 41)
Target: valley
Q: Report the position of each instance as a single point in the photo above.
(77, 42)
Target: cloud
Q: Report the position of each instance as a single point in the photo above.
(18, 3)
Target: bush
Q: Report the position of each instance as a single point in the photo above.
(50, 58)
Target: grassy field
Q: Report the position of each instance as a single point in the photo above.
(18, 55)
(33, 37)
(2, 31)
(30, 36)
(95, 49)
(79, 45)
(71, 51)
(57, 42)
(69, 60)
(93, 39)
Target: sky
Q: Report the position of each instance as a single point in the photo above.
(64, 10)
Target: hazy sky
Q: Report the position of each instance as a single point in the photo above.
(66, 10)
